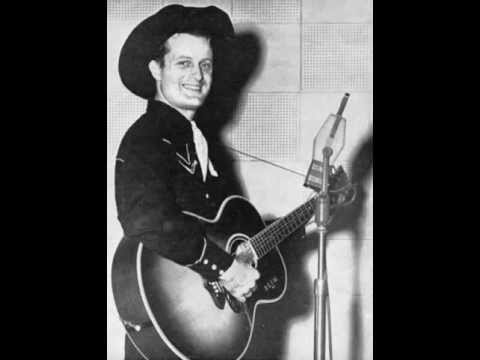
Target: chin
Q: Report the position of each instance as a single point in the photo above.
(193, 104)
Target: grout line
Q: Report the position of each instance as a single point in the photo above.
(301, 47)
(298, 22)
(300, 83)
(307, 91)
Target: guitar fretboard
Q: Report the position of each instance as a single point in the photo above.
(275, 233)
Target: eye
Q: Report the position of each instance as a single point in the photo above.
(184, 63)
(206, 66)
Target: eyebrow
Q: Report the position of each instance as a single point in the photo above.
(185, 57)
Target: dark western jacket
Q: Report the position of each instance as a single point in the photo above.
(157, 176)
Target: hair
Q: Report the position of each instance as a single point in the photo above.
(163, 49)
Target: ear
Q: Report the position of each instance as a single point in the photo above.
(155, 70)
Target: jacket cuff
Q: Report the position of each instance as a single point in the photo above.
(213, 261)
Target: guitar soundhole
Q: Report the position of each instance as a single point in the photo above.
(234, 242)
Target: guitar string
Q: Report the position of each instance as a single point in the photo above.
(286, 226)
(262, 239)
(279, 232)
(282, 228)
(271, 232)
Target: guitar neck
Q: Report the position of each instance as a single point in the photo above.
(275, 233)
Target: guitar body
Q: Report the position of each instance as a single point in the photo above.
(165, 307)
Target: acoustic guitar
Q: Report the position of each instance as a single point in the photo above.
(169, 311)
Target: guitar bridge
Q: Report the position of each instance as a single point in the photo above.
(220, 296)
(216, 292)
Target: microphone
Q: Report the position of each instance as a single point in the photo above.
(328, 142)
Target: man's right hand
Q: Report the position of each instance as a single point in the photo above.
(239, 279)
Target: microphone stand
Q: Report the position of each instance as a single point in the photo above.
(322, 215)
(321, 283)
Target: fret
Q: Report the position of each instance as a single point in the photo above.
(258, 243)
(271, 236)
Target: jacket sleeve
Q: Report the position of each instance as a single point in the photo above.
(148, 211)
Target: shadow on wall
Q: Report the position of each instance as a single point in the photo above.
(273, 320)
(270, 337)
(235, 64)
(233, 70)
(350, 218)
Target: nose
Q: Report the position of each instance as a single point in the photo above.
(197, 73)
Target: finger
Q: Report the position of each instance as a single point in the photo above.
(253, 289)
(241, 298)
(251, 286)
(231, 285)
(244, 290)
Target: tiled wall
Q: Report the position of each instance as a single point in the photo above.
(314, 51)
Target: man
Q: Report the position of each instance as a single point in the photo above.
(164, 164)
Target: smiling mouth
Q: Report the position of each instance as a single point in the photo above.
(191, 87)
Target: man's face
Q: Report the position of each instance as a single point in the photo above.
(186, 77)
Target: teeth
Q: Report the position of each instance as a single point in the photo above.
(192, 87)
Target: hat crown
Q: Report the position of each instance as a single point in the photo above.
(178, 18)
